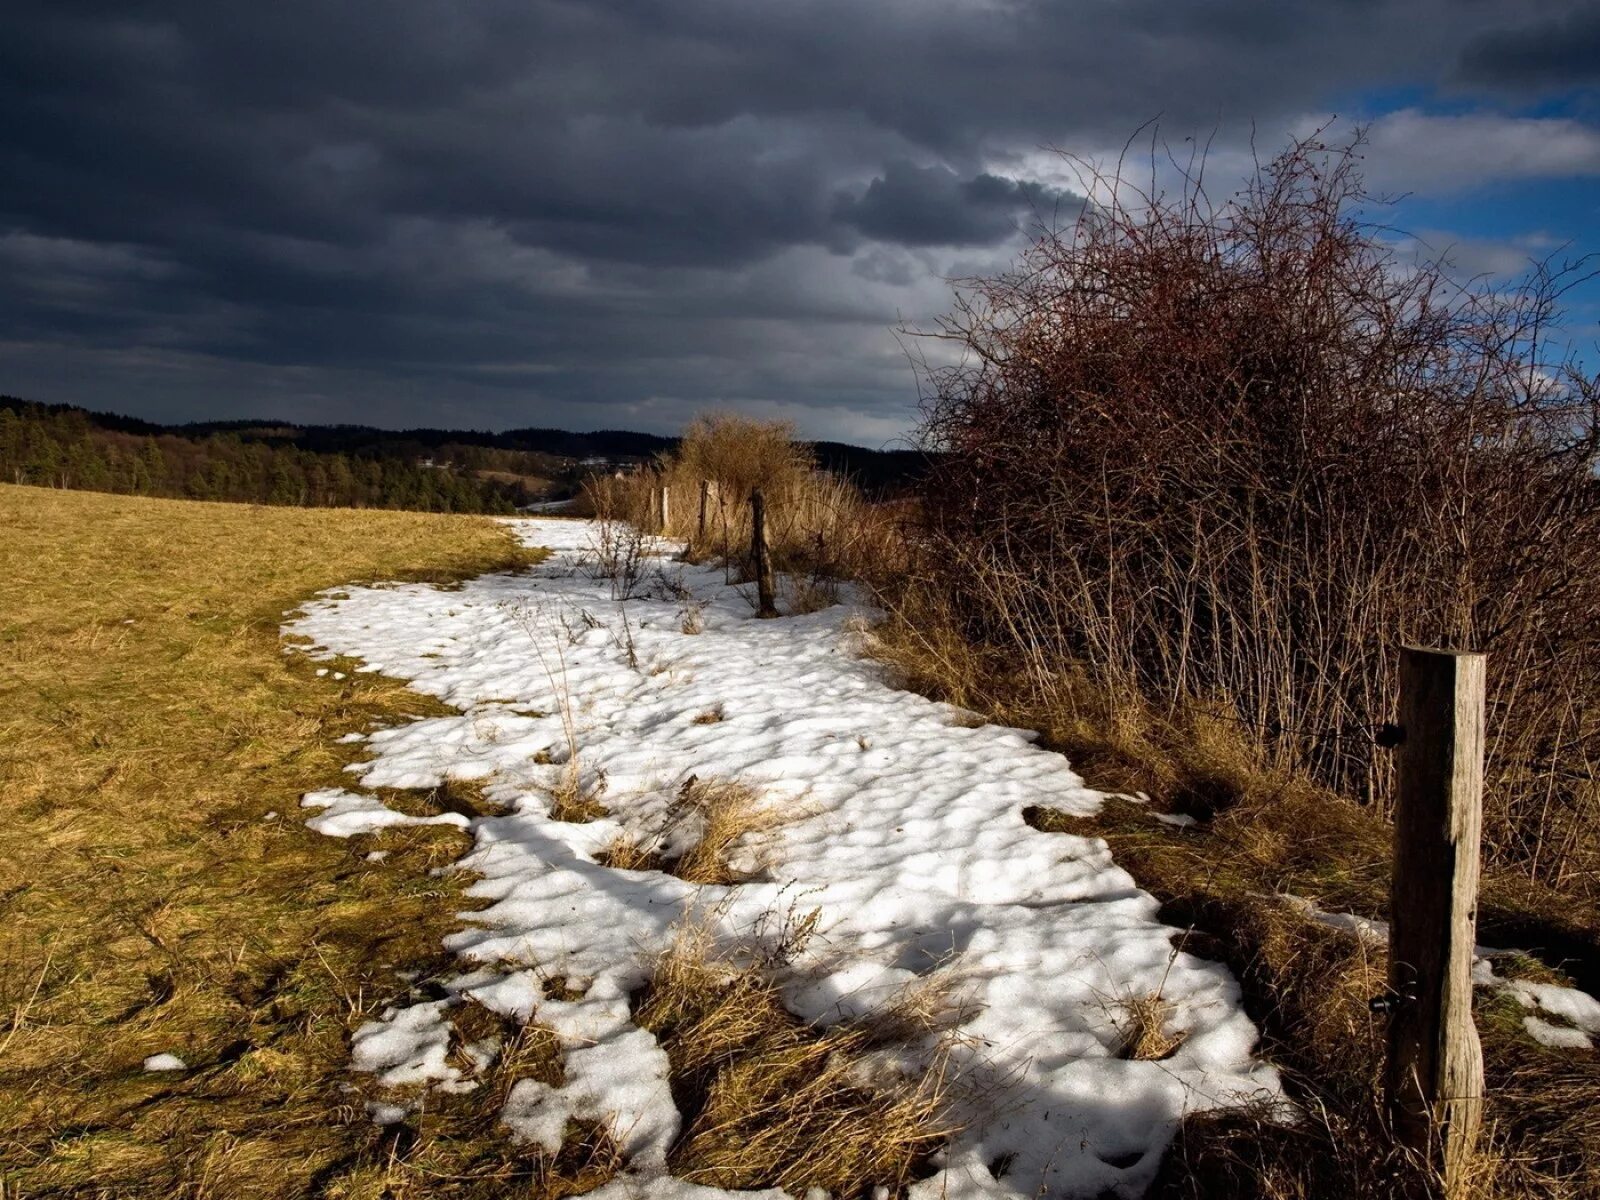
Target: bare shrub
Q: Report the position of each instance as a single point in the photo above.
(691, 619)
(740, 454)
(1235, 454)
(621, 543)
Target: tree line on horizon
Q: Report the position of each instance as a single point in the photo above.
(66, 448)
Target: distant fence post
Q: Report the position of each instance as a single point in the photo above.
(758, 553)
(705, 496)
(666, 507)
(1434, 1079)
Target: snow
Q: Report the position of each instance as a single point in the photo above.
(165, 1062)
(1558, 1037)
(903, 830)
(408, 1046)
(345, 814)
(386, 1114)
(1178, 820)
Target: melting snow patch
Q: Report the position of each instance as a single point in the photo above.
(346, 814)
(904, 833)
(1560, 1037)
(406, 1046)
(165, 1062)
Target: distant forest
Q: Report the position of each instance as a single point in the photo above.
(344, 466)
(54, 446)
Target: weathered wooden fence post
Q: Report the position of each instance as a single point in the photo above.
(666, 507)
(760, 559)
(705, 496)
(1435, 1069)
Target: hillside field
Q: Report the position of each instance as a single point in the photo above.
(162, 894)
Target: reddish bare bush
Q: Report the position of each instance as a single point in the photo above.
(1236, 453)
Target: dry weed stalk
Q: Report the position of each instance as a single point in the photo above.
(571, 798)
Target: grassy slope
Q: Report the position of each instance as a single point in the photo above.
(149, 723)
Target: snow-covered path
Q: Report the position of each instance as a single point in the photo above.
(907, 834)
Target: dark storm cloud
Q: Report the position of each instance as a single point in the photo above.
(933, 206)
(519, 207)
(1559, 52)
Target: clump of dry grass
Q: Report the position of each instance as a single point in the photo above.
(564, 987)
(769, 1101)
(149, 724)
(709, 717)
(574, 799)
(1145, 1032)
(465, 797)
(727, 813)
(516, 1051)
(627, 853)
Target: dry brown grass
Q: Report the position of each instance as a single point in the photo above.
(727, 813)
(149, 724)
(819, 527)
(573, 799)
(1145, 1032)
(769, 1101)
(627, 853)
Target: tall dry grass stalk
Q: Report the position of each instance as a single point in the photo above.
(1235, 454)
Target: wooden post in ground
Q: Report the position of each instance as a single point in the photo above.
(666, 507)
(1435, 1068)
(759, 557)
(705, 496)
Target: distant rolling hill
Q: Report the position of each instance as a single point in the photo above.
(278, 462)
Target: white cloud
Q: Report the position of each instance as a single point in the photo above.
(1412, 151)
(1481, 257)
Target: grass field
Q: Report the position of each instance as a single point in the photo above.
(160, 892)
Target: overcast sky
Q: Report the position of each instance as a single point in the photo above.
(614, 213)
